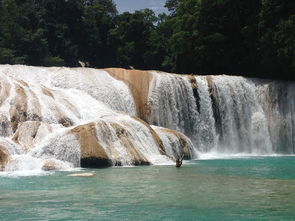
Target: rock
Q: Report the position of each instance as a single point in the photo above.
(81, 175)
(7, 149)
(92, 153)
(175, 143)
(117, 141)
(96, 162)
(49, 166)
(30, 133)
(66, 122)
(54, 164)
(138, 83)
(4, 157)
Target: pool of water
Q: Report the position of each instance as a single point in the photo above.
(254, 188)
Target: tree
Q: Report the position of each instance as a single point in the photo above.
(62, 22)
(98, 20)
(21, 39)
(277, 38)
(131, 36)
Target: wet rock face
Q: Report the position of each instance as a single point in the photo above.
(5, 127)
(49, 166)
(215, 105)
(95, 162)
(176, 144)
(194, 85)
(66, 122)
(138, 83)
(91, 150)
(30, 133)
(4, 157)
(97, 152)
(53, 164)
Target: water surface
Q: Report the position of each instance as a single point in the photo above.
(225, 189)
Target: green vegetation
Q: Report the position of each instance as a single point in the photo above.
(250, 38)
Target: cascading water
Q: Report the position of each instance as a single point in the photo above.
(96, 83)
(226, 114)
(278, 102)
(172, 104)
(58, 118)
(242, 124)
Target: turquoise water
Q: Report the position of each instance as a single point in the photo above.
(227, 189)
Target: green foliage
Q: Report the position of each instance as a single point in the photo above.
(131, 37)
(21, 41)
(98, 20)
(53, 61)
(252, 38)
(277, 38)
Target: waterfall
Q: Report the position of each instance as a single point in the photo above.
(172, 104)
(62, 118)
(278, 102)
(226, 114)
(242, 124)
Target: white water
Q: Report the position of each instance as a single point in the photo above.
(96, 83)
(172, 104)
(173, 144)
(222, 116)
(62, 98)
(137, 136)
(234, 116)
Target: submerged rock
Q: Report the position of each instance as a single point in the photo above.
(81, 175)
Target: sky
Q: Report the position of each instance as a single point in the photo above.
(131, 5)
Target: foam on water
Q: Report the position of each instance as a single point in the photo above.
(217, 155)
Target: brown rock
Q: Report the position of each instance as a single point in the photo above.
(30, 133)
(92, 153)
(138, 82)
(81, 175)
(49, 166)
(185, 144)
(4, 157)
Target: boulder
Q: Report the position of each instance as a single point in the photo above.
(54, 164)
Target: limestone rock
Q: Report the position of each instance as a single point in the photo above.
(53, 164)
(138, 83)
(31, 133)
(175, 143)
(92, 153)
(81, 175)
(4, 157)
(8, 148)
